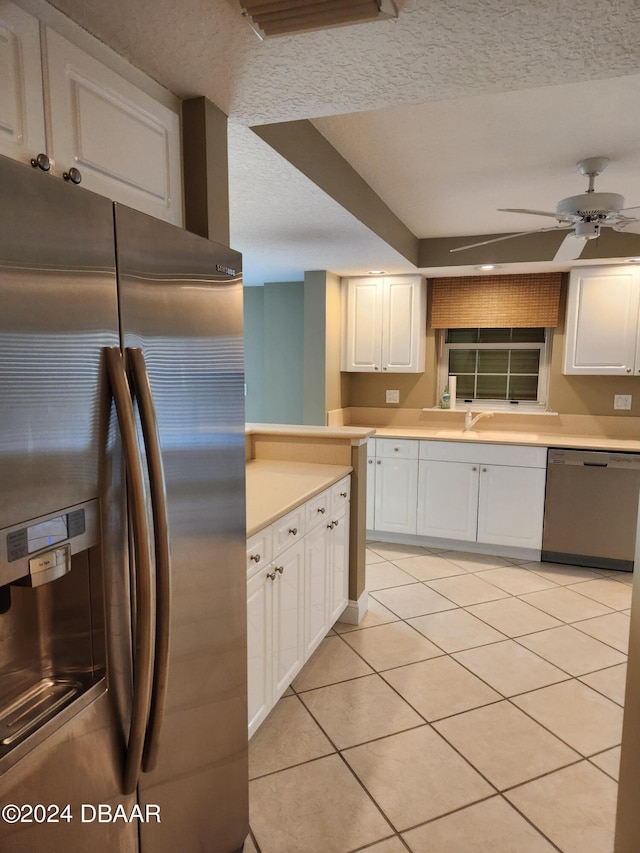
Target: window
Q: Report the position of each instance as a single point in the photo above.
(504, 366)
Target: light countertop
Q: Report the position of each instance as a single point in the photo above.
(274, 488)
(354, 434)
(541, 439)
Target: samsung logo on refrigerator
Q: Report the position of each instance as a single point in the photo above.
(225, 270)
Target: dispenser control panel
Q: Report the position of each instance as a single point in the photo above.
(26, 549)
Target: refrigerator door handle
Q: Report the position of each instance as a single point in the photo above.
(143, 660)
(142, 393)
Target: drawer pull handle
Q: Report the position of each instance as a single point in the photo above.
(279, 569)
(336, 523)
(271, 575)
(343, 494)
(255, 557)
(293, 531)
(321, 510)
(331, 526)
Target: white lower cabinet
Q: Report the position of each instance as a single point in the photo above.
(275, 620)
(293, 600)
(459, 491)
(448, 500)
(316, 588)
(511, 505)
(396, 485)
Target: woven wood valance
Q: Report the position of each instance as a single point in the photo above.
(496, 302)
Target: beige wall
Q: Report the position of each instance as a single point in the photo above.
(571, 395)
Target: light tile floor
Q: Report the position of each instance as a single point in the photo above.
(477, 707)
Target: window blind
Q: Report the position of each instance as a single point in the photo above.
(496, 302)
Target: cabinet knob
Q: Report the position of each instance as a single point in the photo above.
(396, 449)
(271, 576)
(376, 367)
(379, 462)
(336, 523)
(255, 557)
(331, 526)
(321, 510)
(72, 175)
(41, 162)
(484, 470)
(370, 461)
(293, 531)
(343, 494)
(474, 468)
(628, 370)
(279, 569)
(384, 368)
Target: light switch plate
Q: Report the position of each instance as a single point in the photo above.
(622, 401)
(393, 396)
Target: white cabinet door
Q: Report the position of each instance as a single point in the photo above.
(448, 500)
(511, 505)
(259, 647)
(362, 344)
(288, 617)
(384, 324)
(602, 321)
(404, 324)
(125, 144)
(396, 495)
(316, 587)
(338, 564)
(22, 134)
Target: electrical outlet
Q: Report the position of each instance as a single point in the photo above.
(393, 396)
(622, 401)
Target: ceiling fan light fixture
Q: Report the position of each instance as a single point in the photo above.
(587, 230)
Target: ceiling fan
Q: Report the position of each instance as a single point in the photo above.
(584, 215)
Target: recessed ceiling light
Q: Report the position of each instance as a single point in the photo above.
(487, 267)
(376, 272)
(633, 260)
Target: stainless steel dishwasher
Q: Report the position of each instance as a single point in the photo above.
(591, 508)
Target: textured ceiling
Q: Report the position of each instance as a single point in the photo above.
(465, 105)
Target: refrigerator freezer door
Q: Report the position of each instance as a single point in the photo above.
(181, 304)
(58, 312)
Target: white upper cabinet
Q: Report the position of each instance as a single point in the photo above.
(21, 113)
(59, 101)
(125, 144)
(603, 310)
(384, 326)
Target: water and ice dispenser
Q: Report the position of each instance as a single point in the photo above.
(51, 621)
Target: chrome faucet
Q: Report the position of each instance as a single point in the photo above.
(469, 421)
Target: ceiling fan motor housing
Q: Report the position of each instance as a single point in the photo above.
(590, 206)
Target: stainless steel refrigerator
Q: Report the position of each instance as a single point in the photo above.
(122, 527)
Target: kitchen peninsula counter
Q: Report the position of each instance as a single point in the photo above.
(275, 487)
(288, 464)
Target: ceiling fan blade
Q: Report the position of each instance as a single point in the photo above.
(509, 237)
(628, 226)
(570, 248)
(624, 209)
(526, 210)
